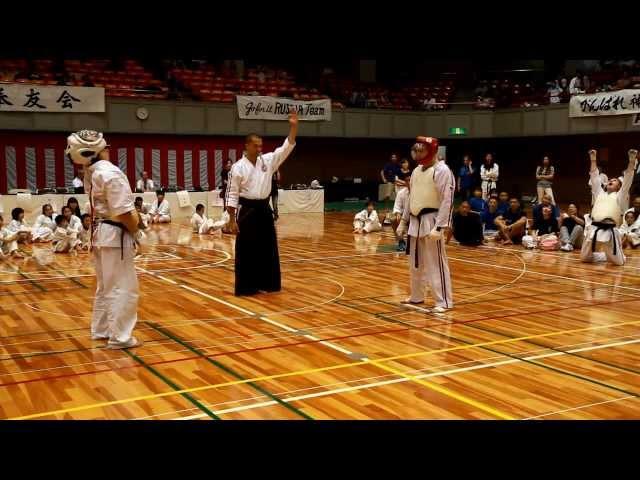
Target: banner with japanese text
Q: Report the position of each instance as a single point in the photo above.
(621, 102)
(274, 108)
(23, 97)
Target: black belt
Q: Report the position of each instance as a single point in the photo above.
(422, 212)
(603, 226)
(254, 203)
(122, 228)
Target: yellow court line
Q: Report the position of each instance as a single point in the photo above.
(313, 370)
(446, 391)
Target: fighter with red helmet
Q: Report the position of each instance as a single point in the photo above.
(427, 213)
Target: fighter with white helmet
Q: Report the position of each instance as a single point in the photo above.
(427, 214)
(602, 239)
(115, 230)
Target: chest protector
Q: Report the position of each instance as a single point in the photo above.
(606, 207)
(424, 193)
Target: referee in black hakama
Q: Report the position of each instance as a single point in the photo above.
(257, 262)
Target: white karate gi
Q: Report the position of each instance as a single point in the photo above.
(64, 240)
(489, 179)
(613, 248)
(433, 265)
(116, 300)
(367, 222)
(43, 228)
(162, 210)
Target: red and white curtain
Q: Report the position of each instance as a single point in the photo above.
(36, 160)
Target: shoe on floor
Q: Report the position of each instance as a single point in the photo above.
(99, 337)
(133, 342)
(438, 310)
(407, 301)
(402, 246)
(567, 247)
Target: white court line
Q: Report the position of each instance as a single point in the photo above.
(253, 314)
(547, 274)
(404, 379)
(580, 407)
(569, 257)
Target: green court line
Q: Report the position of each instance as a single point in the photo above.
(172, 385)
(229, 371)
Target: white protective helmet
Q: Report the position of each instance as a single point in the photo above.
(84, 146)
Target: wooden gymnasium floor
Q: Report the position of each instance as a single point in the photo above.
(533, 335)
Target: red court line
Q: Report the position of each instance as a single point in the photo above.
(270, 347)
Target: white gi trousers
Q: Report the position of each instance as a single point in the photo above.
(432, 269)
(116, 302)
(612, 245)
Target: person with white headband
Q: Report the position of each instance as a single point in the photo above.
(114, 240)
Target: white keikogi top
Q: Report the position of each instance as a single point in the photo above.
(444, 183)
(111, 196)
(254, 182)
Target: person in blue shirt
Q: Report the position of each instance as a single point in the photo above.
(503, 203)
(466, 178)
(489, 215)
(478, 205)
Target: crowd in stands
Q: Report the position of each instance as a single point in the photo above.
(522, 93)
(203, 81)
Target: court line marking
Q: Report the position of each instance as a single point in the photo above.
(415, 324)
(262, 317)
(318, 370)
(576, 408)
(421, 376)
(193, 321)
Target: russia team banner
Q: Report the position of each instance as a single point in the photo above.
(24, 97)
(621, 102)
(274, 108)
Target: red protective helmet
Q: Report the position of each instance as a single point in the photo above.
(429, 145)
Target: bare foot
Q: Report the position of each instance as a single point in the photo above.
(507, 242)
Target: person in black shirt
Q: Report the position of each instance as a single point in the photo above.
(571, 229)
(512, 223)
(547, 224)
(466, 226)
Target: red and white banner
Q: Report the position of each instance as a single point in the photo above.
(36, 160)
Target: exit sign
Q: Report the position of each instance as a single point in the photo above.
(457, 131)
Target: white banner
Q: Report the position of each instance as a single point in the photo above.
(621, 102)
(23, 97)
(273, 108)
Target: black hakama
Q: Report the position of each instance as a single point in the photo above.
(257, 263)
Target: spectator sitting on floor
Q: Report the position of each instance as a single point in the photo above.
(503, 202)
(571, 229)
(466, 226)
(547, 224)
(367, 220)
(546, 201)
(630, 230)
(635, 207)
(489, 216)
(160, 211)
(477, 203)
(512, 224)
